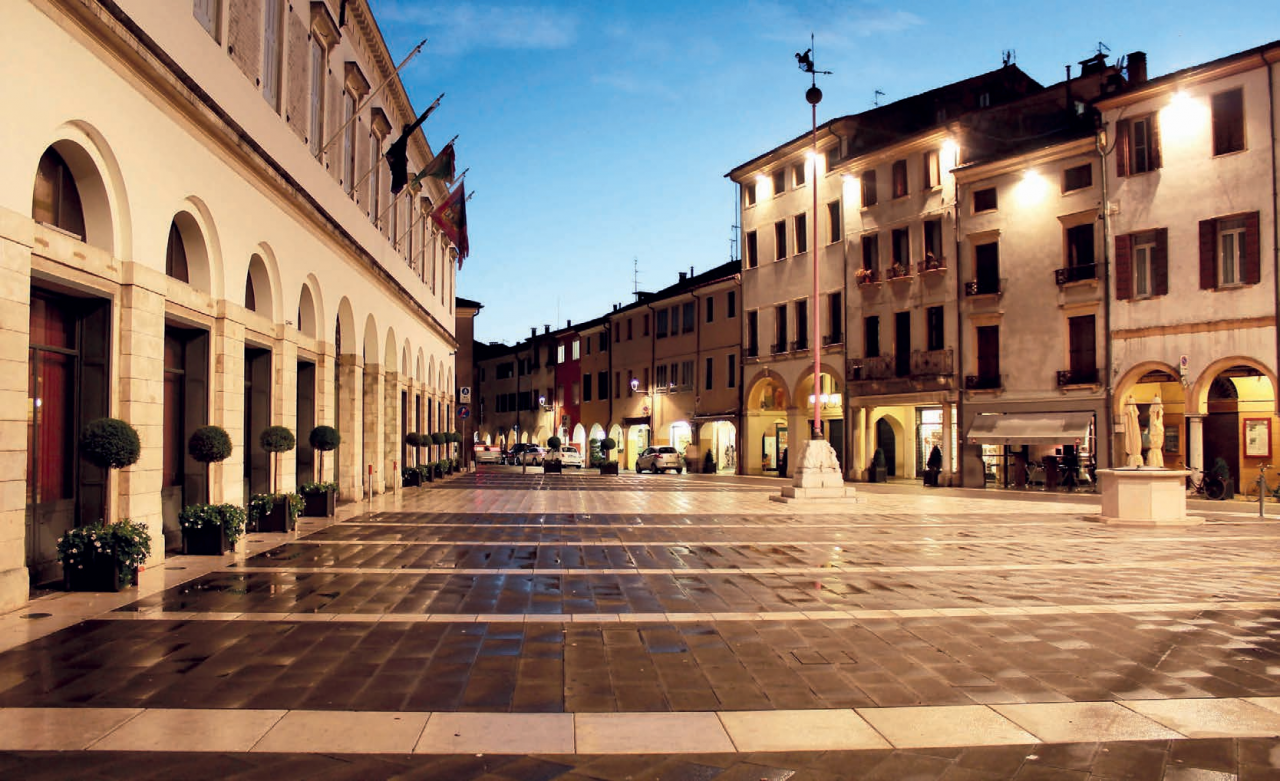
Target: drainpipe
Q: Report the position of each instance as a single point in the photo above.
(1108, 396)
(697, 362)
(608, 340)
(958, 369)
(844, 337)
(653, 369)
(739, 437)
(1275, 194)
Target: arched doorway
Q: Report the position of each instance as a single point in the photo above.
(887, 441)
(766, 421)
(1238, 399)
(720, 438)
(638, 438)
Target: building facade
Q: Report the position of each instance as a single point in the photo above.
(197, 228)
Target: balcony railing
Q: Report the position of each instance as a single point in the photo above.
(753, 351)
(931, 264)
(983, 287)
(779, 348)
(931, 363)
(981, 382)
(831, 339)
(799, 344)
(1078, 377)
(867, 276)
(897, 271)
(880, 367)
(1089, 271)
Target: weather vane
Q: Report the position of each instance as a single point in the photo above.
(806, 62)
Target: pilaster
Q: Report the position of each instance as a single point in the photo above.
(15, 324)
(372, 426)
(141, 378)
(226, 479)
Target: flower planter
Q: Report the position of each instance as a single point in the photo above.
(550, 467)
(437, 473)
(930, 478)
(277, 520)
(412, 478)
(609, 469)
(99, 573)
(205, 541)
(322, 504)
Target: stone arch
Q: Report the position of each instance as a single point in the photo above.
(390, 355)
(370, 348)
(346, 323)
(307, 315)
(448, 383)
(419, 372)
(1198, 396)
(96, 171)
(767, 378)
(903, 466)
(440, 386)
(431, 374)
(262, 284)
(406, 359)
(597, 432)
(201, 245)
(1131, 378)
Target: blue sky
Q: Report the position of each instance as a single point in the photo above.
(600, 132)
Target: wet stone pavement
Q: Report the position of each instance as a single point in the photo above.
(509, 626)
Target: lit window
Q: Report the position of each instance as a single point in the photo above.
(1142, 255)
(779, 182)
(1230, 252)
(1228, 122)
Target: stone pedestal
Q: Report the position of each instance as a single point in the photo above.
(1145, 497)
(816, 476)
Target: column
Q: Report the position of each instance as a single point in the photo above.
(15, 338)
(141, 376)
(226, 479)
(1195, 444)
(863, 457)
(325, 404)
(947, 422)
(392, 435)
(284, 408)
(372, 427)
(350, 427)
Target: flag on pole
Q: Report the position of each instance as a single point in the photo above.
(398, 153)
(441, 166)
(451, 217)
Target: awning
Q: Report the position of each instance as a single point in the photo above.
(639, 420)
(707, 416)
(1030, 428)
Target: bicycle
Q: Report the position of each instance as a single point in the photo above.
(1251, 490)
(1207, 485)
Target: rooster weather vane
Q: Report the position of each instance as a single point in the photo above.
(805, 60)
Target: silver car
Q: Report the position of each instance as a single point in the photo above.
(659, 459)
(569, 456)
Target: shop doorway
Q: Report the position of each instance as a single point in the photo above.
(304, 463)
(887, 441)
(257, 416)
(186, 403)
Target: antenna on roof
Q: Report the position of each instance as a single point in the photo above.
(1008, 57)
(635, 275)
(875, 98)
(1103, 47)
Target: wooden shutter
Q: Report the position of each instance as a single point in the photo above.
(1124, 267)
(1123, 143)
(1160, 264)
(1252, 249)
(1208, 254)
(1153, 153)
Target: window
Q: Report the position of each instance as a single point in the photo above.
(932, 170)
(175, 256)
(56, 200)
(660, 375)
(690, 317)
(631, 322)
(899, 178)
(835, 318)
(559, 354)
(1228, 122)
(935, 330)
(802, 324)
(986, 268)
(617, 334)
(661, 324)
(630, 377)
(984, 100)
(797, 175)
(708, 381)
(871, 337)
(206, 13)
(272, 19)
(780, 240)
(1080, 246)
(749, 193)
(710, 305)
(832, 155)
(733, 371)
(933, 244)
(871, 251)
(1082, 349)
(348, 142)
(753, 334)
(733, 304)
(617, 384)
(686, 375)
(779, 182)
(602, 385)
(646, 325)
(802, 234)
(1230, 252)
(833, 220)
(1137, 145)
(587, 343)
(753, 250)
(902, 249)
(902, 344)
(318, 68)
(1142, 265)
(868, 188)
(586, 387)
(603, 345)
(780, 329)
(984, 200)
(1077, 178)
(989, 355)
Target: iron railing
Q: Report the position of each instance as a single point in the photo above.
(931, 363)
(981, 382)
(1075, 273)
(1078, 377)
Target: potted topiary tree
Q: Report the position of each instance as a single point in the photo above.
(879, 470)
(551, 464)
(708, 464)
(105, 556)
(275, 512)
(319, 498)
(412, 478)
(609, 467)
(209, 445)
(933, 467)
(437, 439)
(210, 529)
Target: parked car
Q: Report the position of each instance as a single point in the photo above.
(513, 455)
(532, 455)
(569, 456)
(488, 454)
(659, 459)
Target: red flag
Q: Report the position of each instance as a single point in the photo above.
(451, 217)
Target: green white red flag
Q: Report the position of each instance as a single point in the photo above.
(450, 215)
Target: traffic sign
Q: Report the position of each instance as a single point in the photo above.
(464, 394)
(464, 412)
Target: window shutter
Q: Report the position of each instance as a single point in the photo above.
(1153, 122)
(1252, 249)
(1208, 254)
(1160, 264)
(1124, 267)
(1122, 147)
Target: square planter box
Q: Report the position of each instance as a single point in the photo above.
(320, 505)
(100, 573)
(609, 469)
(550, 467)
(205, 541)
(277, 520)
(412, 479)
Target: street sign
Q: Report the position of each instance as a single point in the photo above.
(464, 395)
(464, 412)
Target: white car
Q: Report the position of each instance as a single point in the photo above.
(659, 459)
(570, 457)
(532, 455)
(488, 454)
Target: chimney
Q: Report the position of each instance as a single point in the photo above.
(1137, 68)
(546, 329)
(683, 276)
(533, 332)
(691, 271)
(568, 324)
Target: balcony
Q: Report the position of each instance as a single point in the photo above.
(799, 344)
(931, 363)
(832, 339)
(878, 367)
(1077, 377)
(867, 276)
(753, 351)
(778, 348)
(978, 382)
(1085, 273)
(931, 264)
(984, 287)
(898, 271)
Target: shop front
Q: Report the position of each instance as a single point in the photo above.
(1043, 450)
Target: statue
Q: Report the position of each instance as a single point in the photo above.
(1155, 434)
(1132, 434)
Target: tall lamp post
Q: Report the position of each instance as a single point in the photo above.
(814, 96)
